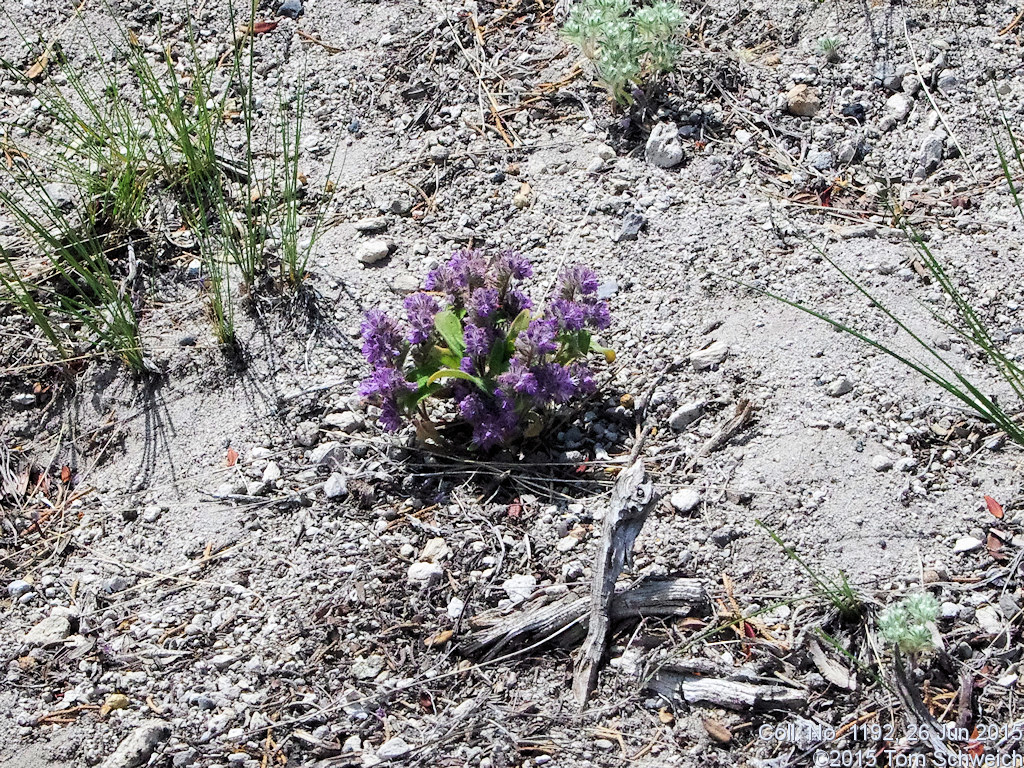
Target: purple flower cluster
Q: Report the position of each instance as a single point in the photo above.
(518, 365)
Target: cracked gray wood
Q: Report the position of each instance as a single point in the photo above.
(633, 497)
(566, 620)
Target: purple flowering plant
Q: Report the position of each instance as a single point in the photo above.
(472, 337)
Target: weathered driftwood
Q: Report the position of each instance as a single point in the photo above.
(632, 499)
(567, 620)
(679, 685)
(915, 710)
(831, 670)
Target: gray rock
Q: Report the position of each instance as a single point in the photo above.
(898, 106)
(707, 358)
(607, 289)
(352, 744)
(967, 544)
(24, 400)
(307, 434)
(948, 83)
(373, 251)
(347, 421)
(152, 513)
(290, 8)
(61, 195)
(802, 101)
(336, 486)
(721, 537)
(632, 223)
(519, 587)
(848, 151)
(881, 463)
(116, 584)
(405, 283)
(368, 668)
(858, 230)
(930, 155)
(949, 611)
(329, 453)
(684, 500)
(372, 226)
(272, 472)
(223, 660)
(821, 160)
(989, 620)
(400, 206)
(685, 415)
(906, 464)
(439, 154)
(663, 147)
(839, 387)
(17, 588)
(394, 748)
(50, 631)
(425, 573)
(139, 745)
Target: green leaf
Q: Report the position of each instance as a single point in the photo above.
(455, 373)
(497, 360)
(519, 324)
(584, 342)
(448, 325)
(411, 401)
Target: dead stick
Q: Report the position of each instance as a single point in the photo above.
(633, 497)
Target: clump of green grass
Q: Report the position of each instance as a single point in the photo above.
(118, 153)
(966, 322)
(626, 44)
(835, 590)
(831, 49)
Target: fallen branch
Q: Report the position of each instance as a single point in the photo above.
(739, 691)
(633, 497)
(666, 597)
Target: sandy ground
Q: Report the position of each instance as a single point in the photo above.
(221, 617)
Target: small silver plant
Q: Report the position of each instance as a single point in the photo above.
(626, 44)
(908, 624)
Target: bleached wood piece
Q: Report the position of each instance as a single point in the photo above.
(632, 499)
(530, 624)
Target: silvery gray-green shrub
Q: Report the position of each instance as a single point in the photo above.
(907, 625)
(627, 44)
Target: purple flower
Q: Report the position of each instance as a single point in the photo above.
(598, 316)
(388, 385)
(582, 378)
(493, 419)
(484, 303)
(471, 267)
(576, 280)
(466, 269)
(478, 340)
(512, 264)
(390, 417)
(538, 338)
(421, 308)
(519, 379)
(554, 382)
(382, 338)
(444, 279)
(571, 315)
(516, 301)
(385, 382)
